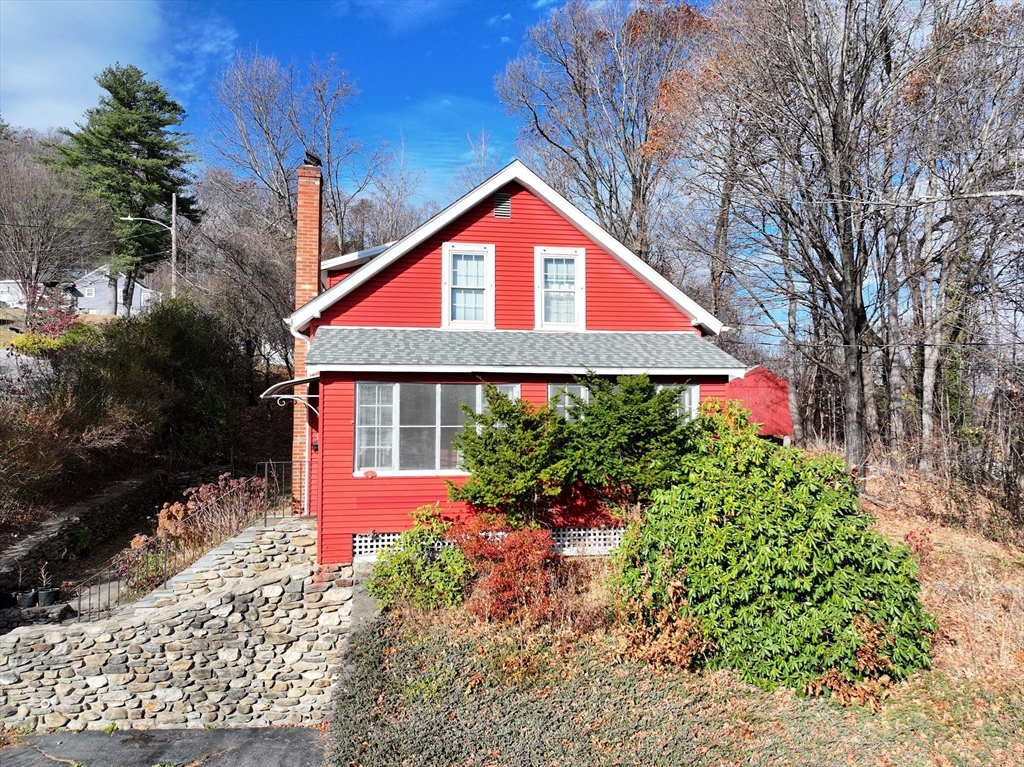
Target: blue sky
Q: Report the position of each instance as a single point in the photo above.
(425, 68)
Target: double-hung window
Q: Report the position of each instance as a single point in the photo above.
(560, 282)
(90, 292)
(467, 285)
(559, 396)
(689, 398)
(412, 426)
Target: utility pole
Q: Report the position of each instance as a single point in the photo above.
(174, 245)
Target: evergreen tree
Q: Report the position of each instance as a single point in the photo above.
(131, 157)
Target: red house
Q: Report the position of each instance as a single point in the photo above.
(511, 285)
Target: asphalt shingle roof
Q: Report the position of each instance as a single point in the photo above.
(342, 348)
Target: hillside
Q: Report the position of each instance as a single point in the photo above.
(442, 689)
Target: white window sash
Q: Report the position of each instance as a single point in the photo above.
(560, 394)
(510, 390)
(690, 400)
(578, 256)
(448, 249)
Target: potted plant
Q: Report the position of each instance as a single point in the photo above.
(24, 598)
(47, 594)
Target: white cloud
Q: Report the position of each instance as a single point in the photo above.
(543, 3)
(506, 40)
(494, 21)
(400, 15)
(51, 51)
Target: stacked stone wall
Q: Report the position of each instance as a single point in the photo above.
(251, 635)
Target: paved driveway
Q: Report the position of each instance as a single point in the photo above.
(238, 747)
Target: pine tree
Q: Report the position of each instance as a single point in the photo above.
(130, 156)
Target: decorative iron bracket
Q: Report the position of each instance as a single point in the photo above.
(280, 399)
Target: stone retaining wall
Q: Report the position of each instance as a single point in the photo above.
(13, 617)
(250, 635)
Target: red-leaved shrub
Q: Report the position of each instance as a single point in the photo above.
(514, 567)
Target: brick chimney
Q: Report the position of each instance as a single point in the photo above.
(307, 286)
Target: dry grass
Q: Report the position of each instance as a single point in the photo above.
(974, 586)
(446, 689)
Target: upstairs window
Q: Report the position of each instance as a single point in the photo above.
(560, 281)
(411, 427)
(90, 292)
(467, 285)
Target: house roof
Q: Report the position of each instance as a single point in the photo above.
(355, 257)
(514, 172)
(506, 351)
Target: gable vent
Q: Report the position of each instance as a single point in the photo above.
(502, 205)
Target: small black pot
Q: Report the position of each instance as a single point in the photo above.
(6, 600)
(26, 598)
(47, 597)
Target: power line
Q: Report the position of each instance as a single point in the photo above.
(91, 244)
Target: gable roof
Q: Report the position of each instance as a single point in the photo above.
(355, 257)
(391, 350)
(515, 171)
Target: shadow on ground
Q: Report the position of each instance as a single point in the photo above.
(238, 747)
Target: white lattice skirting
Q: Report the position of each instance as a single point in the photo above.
(569, 541)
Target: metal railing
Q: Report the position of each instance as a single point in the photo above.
(137, 571)
(281, 479)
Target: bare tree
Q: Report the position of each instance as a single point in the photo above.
(266, 117)
(482, 165)
(243, 265)
(585, 88)
(860, 146)
(47, 223)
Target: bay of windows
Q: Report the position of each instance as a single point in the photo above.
(411, 426)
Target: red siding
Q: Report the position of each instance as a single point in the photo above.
(336, 275)
(358, 504)
(766, 396)
(408, 294)
(716, 390)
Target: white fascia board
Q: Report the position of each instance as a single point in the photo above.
(355, 256)
(514, 171)
(732, 373)
(301, 318)
(699, 315)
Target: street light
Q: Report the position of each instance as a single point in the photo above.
(173, 229)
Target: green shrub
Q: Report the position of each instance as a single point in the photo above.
(172, 374)
(420, 570)
(626, 438)
(517, 458)
(622, 443)
(768, 550)
(43, 345)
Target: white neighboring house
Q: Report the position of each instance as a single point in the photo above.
(92, 291)
(11, 294)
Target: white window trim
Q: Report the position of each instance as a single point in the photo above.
(90, 292)
(541, 252)
(472, 249)
(559, 394)
(692, 394)
(396, 401)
